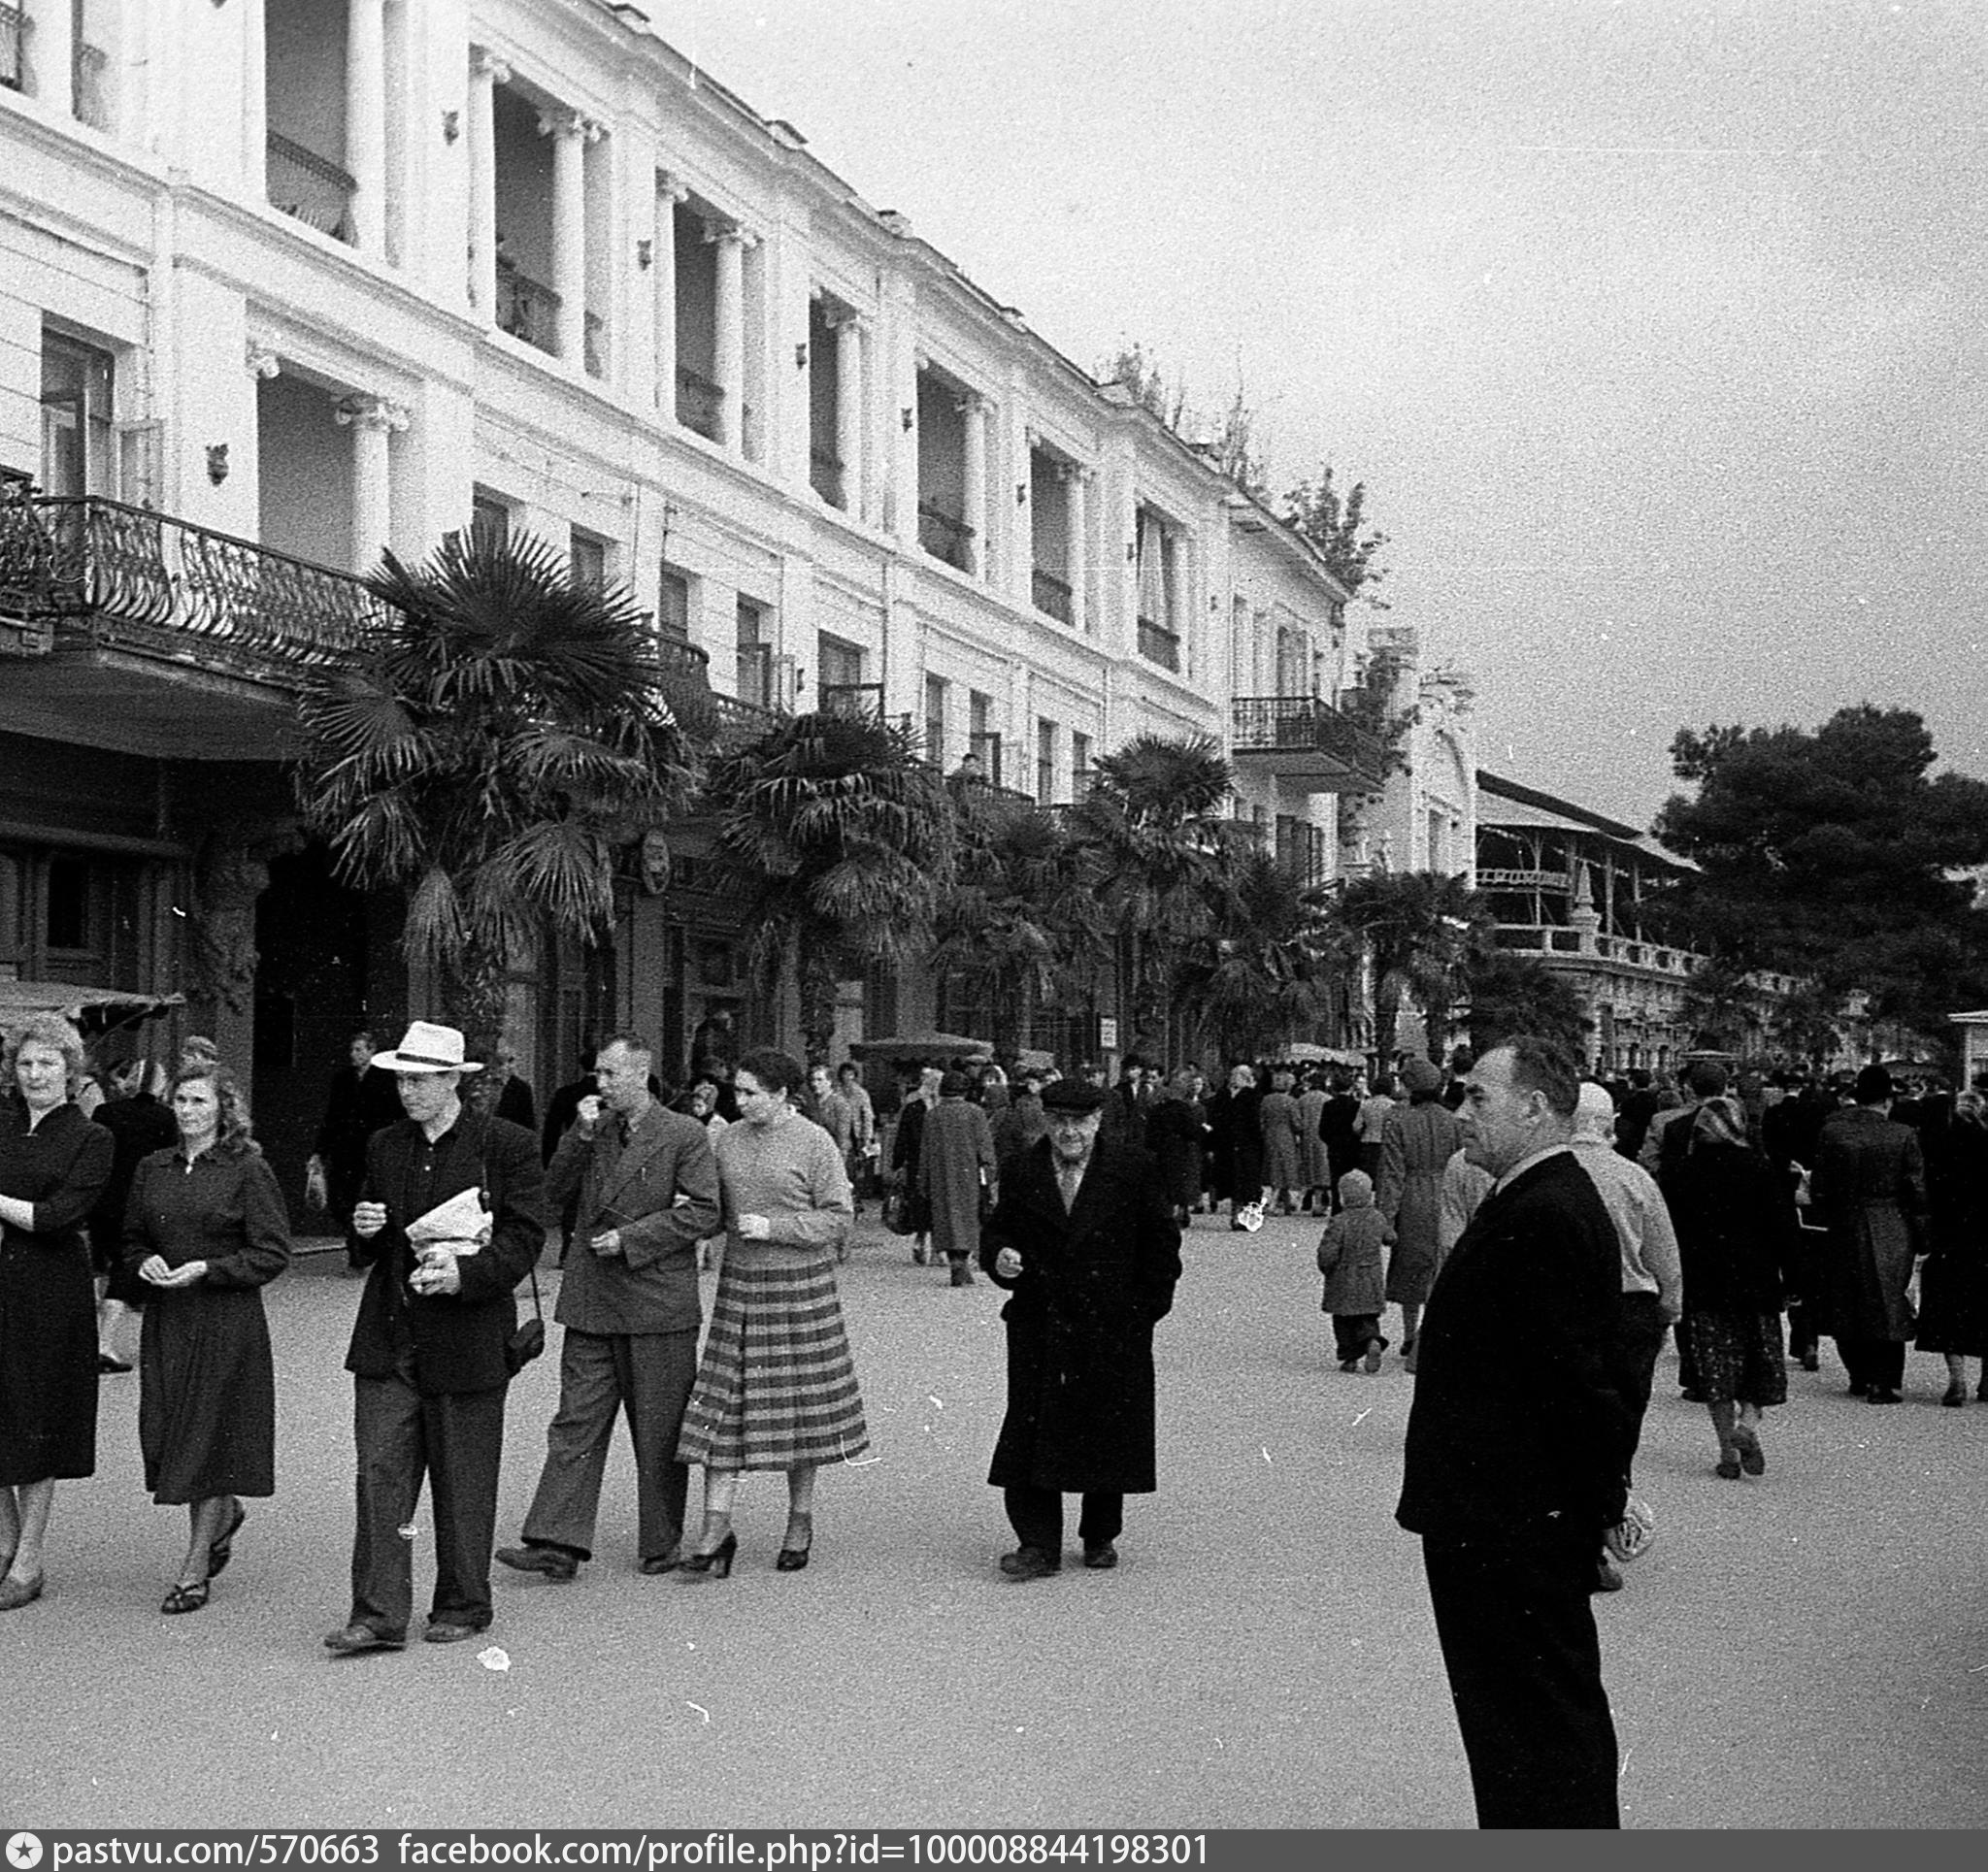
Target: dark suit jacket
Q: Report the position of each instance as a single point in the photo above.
(1517, 1424)
(651, 1285)
(457, 1339)
(1081, 1319)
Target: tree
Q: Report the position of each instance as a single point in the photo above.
(496, 735)
(1153, 827)
(1229, 440)
(1423, 930)
(1333, 524)
(1022, 925)
(1512, 995)
(1264, 970)
(852, 836)
(1836, 856)
(1721, 1005)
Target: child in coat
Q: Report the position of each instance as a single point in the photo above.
(1349, 1256)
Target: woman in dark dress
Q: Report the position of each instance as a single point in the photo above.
(1335, 1129)
(53, 1165)
(206, 1230)
(1175, 1132)
(1953, 1285)
(1735, 1220)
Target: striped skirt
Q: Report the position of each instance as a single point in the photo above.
(776, 1386)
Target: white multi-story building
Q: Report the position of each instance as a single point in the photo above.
(285, 282)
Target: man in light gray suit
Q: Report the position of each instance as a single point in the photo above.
(647, 1189)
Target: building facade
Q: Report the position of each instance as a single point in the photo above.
(284, 284)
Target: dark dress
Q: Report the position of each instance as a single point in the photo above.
(1953, 1283)
(48, 1301)
(1173, 1136)
(207, 1382)
(138, 1126)
(1736, 1221)
(1341, 1146)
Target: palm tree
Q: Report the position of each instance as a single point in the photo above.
(1265, 972)
(1421, 929)
(1511, 994)
(853, 836)
(1022, 924)
(498, 733)
(1153, 827)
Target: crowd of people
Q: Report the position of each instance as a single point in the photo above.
(1516, 1200)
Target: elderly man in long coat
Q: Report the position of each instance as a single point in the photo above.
(956, 1162)
(1870, 1184)
(1417, 1143)
(1090, 1253)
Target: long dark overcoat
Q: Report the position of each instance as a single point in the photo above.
(1080, 1318)
(1870, 1184)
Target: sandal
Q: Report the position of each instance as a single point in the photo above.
(1751, 1460)
(185, 1599)
(222, 1551)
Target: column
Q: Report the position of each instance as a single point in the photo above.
(663, 264)
(51, 51)
(571, 134)
(373, 421)
(849, 411)
(974, 482)
(487, 72)
(1077, 564)
(254, 100)
(366, 122)
(728, 318)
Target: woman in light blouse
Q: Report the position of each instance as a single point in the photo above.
(777, 1389)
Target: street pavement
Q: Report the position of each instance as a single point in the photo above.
(1806, 1650)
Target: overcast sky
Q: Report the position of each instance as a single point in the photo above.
(1658, 330)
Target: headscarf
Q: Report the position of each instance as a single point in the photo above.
(1719, 1121)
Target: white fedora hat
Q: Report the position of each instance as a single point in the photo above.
(426, 1047)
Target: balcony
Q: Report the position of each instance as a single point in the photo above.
(1306, 742)
(1052, 596)
(89, 73)
(700, 404)
(825, 476)
(309, 187)
(13, 29)
(1158, 645)
(128, 616)
(1495, 879)
(945, 536)
(527, 309)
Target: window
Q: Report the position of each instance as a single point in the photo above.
(1159, 590)
(673, 605)
(1045, 763)
(77, 381)
(489, 521)
(983, 743)
(935, 720)
(1079, 765)
(840, 684)
(67, 906)
(755, 656)
(588, 558)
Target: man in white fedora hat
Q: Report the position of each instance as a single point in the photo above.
(429, 1353)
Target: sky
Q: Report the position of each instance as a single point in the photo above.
(1656, 329)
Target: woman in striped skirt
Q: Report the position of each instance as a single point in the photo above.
(777, 1389)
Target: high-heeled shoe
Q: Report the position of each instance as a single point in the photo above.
(186, 1596)
(718, 1561)
(221, 1550)
(791, 1559)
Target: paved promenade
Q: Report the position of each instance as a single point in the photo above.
(1807, 1650)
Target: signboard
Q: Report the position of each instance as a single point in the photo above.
(1108, 1036)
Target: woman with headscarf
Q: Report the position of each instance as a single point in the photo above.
(1416, 1142)
(1734, 1218)
(956, 1171)
(1953, 1282)
(53, 1165)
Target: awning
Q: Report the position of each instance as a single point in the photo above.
(925, 1048)
(95, 1010)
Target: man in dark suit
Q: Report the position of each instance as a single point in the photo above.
(646, 1186)
(362, 1100)
(1083, 1240)
(428, 1354)
(1513, 1462)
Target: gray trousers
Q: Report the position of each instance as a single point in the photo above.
(649, 1375)
(457, 1444)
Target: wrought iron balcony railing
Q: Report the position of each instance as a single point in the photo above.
(1276, 724)
(945, 536)
(1158, 645)
(700, 403)
(1052, 595)
(311, 187)
(132, 578)
(526, 307)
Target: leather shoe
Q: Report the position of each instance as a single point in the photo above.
(348, 1640)
(555, 1562)
(1883, 1395)
(1100, 1556)
(16, 1593)
(1608, 1577)
(445, 1632)
(662, 1562)
(1030, 1564)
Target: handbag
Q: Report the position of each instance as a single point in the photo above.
(896, 1214)
(528, 1338)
